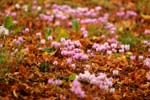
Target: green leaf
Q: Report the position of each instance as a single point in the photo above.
(61, 33)
(48, 33)
(48, 50)
(129, 38)
(9, 22)
(72, 77)
(75, 25)
(44, 67)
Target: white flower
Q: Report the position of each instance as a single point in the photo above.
(4, 30)
(17, 5)
(25, 8)
(39, 8)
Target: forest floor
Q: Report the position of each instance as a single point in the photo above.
(75, 50)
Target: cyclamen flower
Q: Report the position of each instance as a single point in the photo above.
(57, 23)
(98, 8)
(147, 62)
(115, 72)
(69, 60)
(87, 66)
(42, 41)
(131, 13)
(50, 38)
(38, 34)
(141, 57)
(76, 88)
(56, 44)
(54, 82)
(55, 62)
(18, 41)
(147, 31)
(132, 57)
(148, 78)
(73, 66)
(101, 80)
(120, 14)
(112, 90)
(26, 30)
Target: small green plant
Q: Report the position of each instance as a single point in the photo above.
(3, 57)
(44, 67)
(4, 70)
(9, 22)
(48, 33)
(72, 77)
(61, 33)
(75, 25)
(129, 38)
(51, 51)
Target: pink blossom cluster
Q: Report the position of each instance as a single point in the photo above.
(102, 19)
(43, 41)
(26, 30)
(46, 17)
(147, 43)
(147, 31)
(54, 82)
(70, 49)
(147, 62)
(8, 13)
(126, 14)
(76, 88)
(84, 15)
(56, 45)
(78, 12)
(18, 41)
(102, 81)
(110, 48)
(35, 6)
(84, 32)
(111, 27)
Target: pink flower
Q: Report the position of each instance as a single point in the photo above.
(58, 82)
(115, 72)
(147, 62)
(26, 30)
(38, 34)
(76, 88)
(57, 23)
(147, 31)
(131, 13)
(141, 57)
(50, 38)
(56, 44)
(42, 41)
(98, 8)
(87, 66)
(20, 39)
(112, 90)
(55, 63)
(73, 66)
(120, 14)
(132, 57)
(69, 60)
(47, 5)
(54, 82)
(148, 78)
(50, 81)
